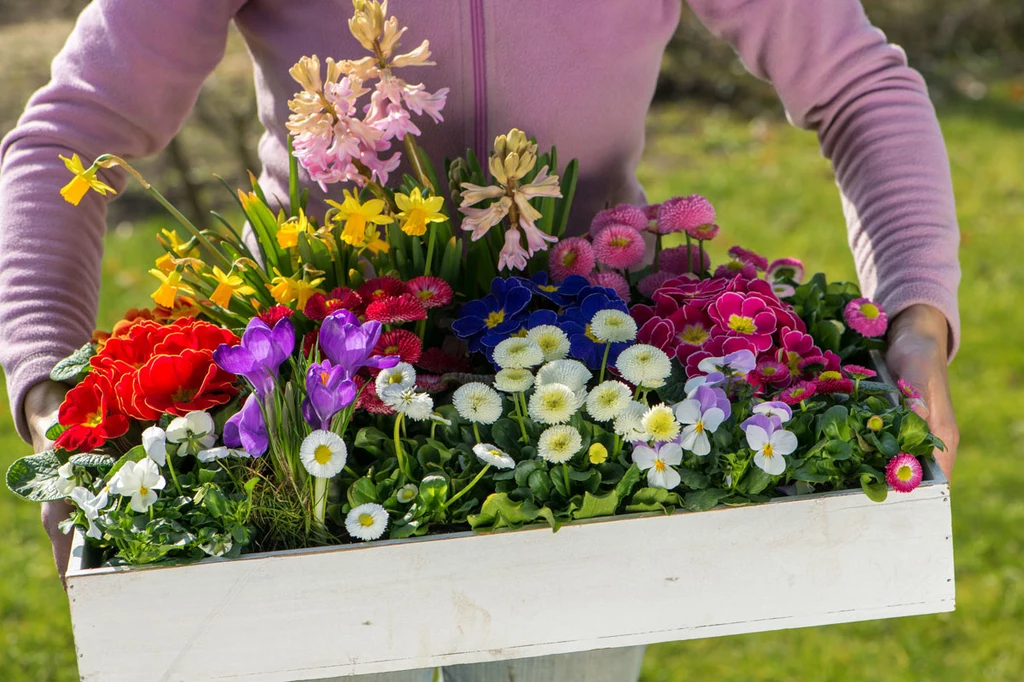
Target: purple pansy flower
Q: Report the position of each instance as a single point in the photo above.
(260, 354)
(700, 416)
(349, 344)
(246, 429)
(328, 391)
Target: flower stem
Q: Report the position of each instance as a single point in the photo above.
(617, 446)
(604, 361)
(521, 415)
(319, 499)
(402, 465)
(565, 477)
(689, 254)
(412, 150)
(174, 475)
(431, 238)
(421, 329)
(700, 248)
(476, 432)
(657, 252)
(472, 483)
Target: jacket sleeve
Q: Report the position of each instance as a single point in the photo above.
(837, 74)
(124, 82)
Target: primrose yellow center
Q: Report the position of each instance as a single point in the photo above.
(742, 324)
(830, 375)
(590, 335)
(869, 310)
(322, 454)
(620, 241)
(768, 450)
(694, 334)
(548, 288)
(569, 259)
(94, 420)
(659, 465)
(366, 520)
(495, 318)
(904, 473)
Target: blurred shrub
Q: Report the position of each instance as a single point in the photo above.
(959, 45)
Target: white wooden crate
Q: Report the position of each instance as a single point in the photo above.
(462, 598)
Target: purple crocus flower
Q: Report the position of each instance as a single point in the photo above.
(328, 391)
(246, 429)
(260, 354)
(349, 344)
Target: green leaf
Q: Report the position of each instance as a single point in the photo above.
(674, 389)
(833, 423)
(597, 505)
(294, 200)
(136, 454)
(839, 450)
(500, 511)
(568, 187)
(362, 491)
(55, 430)
(434, 491)
(371, 440)
(72, 366)
(703, 500)
(694, 480)
(506, 434)
(876, 490)
(913, 431)
(654, 499)
(34, 478)
(92, 460)
(539, 484)
(755, 481)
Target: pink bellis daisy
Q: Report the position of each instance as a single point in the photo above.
(785, 268)
(749, 257)
(736, 267)
(619, 247)
(686, 214)
(611, 280)
(903, 472)
(623, 214)
(831, 381)
(794, 395)
(857, 372)
(907, 390)
(433, 292)
(682, 259)
(572, 256)
(866, 317)
(396, 309)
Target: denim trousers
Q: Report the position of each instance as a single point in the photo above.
(602, 665)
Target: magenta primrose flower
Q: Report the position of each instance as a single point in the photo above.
(866, 317)
(903, 472)
(743, 315)
(685, 214)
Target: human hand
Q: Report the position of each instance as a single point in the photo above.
(918, 353)
(41, 404)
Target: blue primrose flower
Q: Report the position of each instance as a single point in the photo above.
(497, 315)
(575, 322)
(561, 293)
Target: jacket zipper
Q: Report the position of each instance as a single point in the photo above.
(476, 18)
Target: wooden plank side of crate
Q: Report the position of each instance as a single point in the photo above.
(316, 614)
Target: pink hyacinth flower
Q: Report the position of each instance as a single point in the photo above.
(612, 280)
(685, 214)
(623, 214)
(572, 256)
(866, 317)
(904, 472)
(513, 256)
(619, 247)
(788, 268)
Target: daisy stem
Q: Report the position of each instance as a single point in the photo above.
(657, 252)
(520, 415)
(174, 475)
(700, 264)
(421, 329)
(351, 471)
(319, 499)
(689, 254)
(617, 446)
(476, 432)
(604, 361)
(398, 445)
(565, 477)
(472, 483)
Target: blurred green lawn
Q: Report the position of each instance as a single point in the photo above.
(774, 193)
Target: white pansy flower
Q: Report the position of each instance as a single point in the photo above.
(658, 464)
(91, 505)
(323, 453)
(613, 326)
(367, 521)
(513, 380)
(571, 373)
(141, 480)
(553, 342)
(490, 454)
(407, 493)
(554, 403)
(191, 433)
(438, 419)
(477, 402)
(220, 452)
(518, 353)
(608, 399)
(395, 379)
(698, 424)
(628, 423)
(769, 451)
(559, 443)
(154, 442)
(66, 479)
(644, 365)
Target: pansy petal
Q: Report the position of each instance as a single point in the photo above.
(671, 453)
(688, 411)
(757, 437)
(783, 442)
(713, 418)
(644, 457)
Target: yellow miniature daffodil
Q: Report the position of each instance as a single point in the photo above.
(306, 289)
(288, 233)
(417, 211)
(358, 216)
(165, 263)
(227, 286)
(84, 180)
(170, 287)
(181, 249)
(283, 289)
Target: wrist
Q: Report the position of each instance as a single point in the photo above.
(42, 403)
(924, 325)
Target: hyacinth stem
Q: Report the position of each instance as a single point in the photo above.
(412, 150)
(109, 161)
(604, 361)
(476, 479)
(402, 464)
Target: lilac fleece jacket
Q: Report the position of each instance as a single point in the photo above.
(579, 73)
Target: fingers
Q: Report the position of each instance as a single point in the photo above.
(52, 514)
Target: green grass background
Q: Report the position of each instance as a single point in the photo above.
(774, 193)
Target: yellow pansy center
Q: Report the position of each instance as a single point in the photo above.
(699, 427)
(495, 318)
(659, 465)
(742, 324)
(869, 310)
(694, 334)
(322, 454)
(143, 489)
(768, 450)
